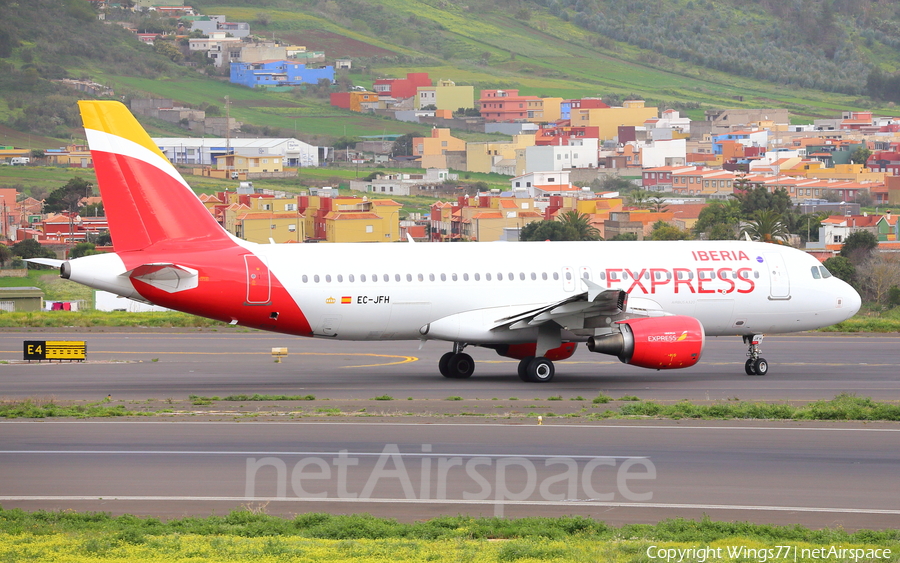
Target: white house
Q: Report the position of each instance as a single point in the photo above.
(204, 151)
(579, 153)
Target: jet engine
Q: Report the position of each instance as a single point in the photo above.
(653, 342)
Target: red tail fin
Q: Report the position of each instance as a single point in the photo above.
(145, 198)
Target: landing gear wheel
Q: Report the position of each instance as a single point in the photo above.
(523, 368)
(760, 366)
(460, 366)
(748, 367)
(444, 364)
(540, 370)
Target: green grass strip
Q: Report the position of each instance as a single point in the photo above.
(842, 407)
(32, 409)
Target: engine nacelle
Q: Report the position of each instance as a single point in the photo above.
(654, 342)
(527, 350)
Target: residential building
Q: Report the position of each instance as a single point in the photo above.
(577, 153)
(355, 101)
(508, 105)
(402, 184)
(350, 219)
(433, 150)
(609, 119)
(275, 73)
(566, 106)
(211, 24)
(492, 156)
(391, 90)
(445, 95)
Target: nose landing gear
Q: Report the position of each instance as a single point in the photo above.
(755, 365)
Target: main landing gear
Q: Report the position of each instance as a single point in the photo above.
(456, 364)
(755, 365)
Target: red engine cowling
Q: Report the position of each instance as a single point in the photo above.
(654, 342)
(521, 351)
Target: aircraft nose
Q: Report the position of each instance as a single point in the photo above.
(852, 300)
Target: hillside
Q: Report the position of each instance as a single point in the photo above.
(685, 54)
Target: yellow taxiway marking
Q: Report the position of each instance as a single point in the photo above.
(402, 359)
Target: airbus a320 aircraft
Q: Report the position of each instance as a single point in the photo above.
(651, 304)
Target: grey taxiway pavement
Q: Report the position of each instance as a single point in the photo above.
(176, 364)
(819, 474)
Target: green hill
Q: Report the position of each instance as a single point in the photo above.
(815, 57)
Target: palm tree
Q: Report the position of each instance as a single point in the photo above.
(581, 222)
(638, 198)
(767, 226)
(658, 203)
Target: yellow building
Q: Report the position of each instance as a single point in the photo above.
(249, 164)
(552, 111)
(482, 157)
(433, 150)
(366, 221)
(263, 227)
(273, 204)
(850, 172)
(445, 95)
(609, 120)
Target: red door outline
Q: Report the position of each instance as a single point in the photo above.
(259, 286)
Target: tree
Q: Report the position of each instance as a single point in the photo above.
(625, 237)
(403, 145)
(82, 249)
(878, 275)
(5, 254)
(760, 198)
(548, 230)
(30, 248)
(858, 246)
(581, 223)
(719, 220)
(657, 203)
(69, 196)
(841, 268)
(767, 225)
(664, 231)
(638, 198)
(860, 155)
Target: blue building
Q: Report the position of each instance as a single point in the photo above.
(278, 73)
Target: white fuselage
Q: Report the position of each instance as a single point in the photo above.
(390, 291)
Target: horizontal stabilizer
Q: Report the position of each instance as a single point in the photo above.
(170, 278)
(46, 261)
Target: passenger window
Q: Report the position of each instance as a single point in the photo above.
(646, 275)
(316, 278)
(409, 277)
(487, 277)
(624, 274)
(453, 277)
(350, 277)
(556, 276)
(465, 277)
(544, 276)
(421, 277)
(586, 275)
(327, 278)
(521, 275)
(362, 278)
(499, 276)
(386, 278)
(568, 276)
(825, 273)
(815, 272)
(477, 277)
(602, 275)
(512, 276)
(755, 274)
(533, 276)
(305, 279)
(340, 278)
(396, 277)
(430, 277)
(444, 277)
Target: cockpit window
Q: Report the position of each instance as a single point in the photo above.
(815, 272)
(825, 272)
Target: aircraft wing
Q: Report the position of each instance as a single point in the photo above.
(595, 301)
